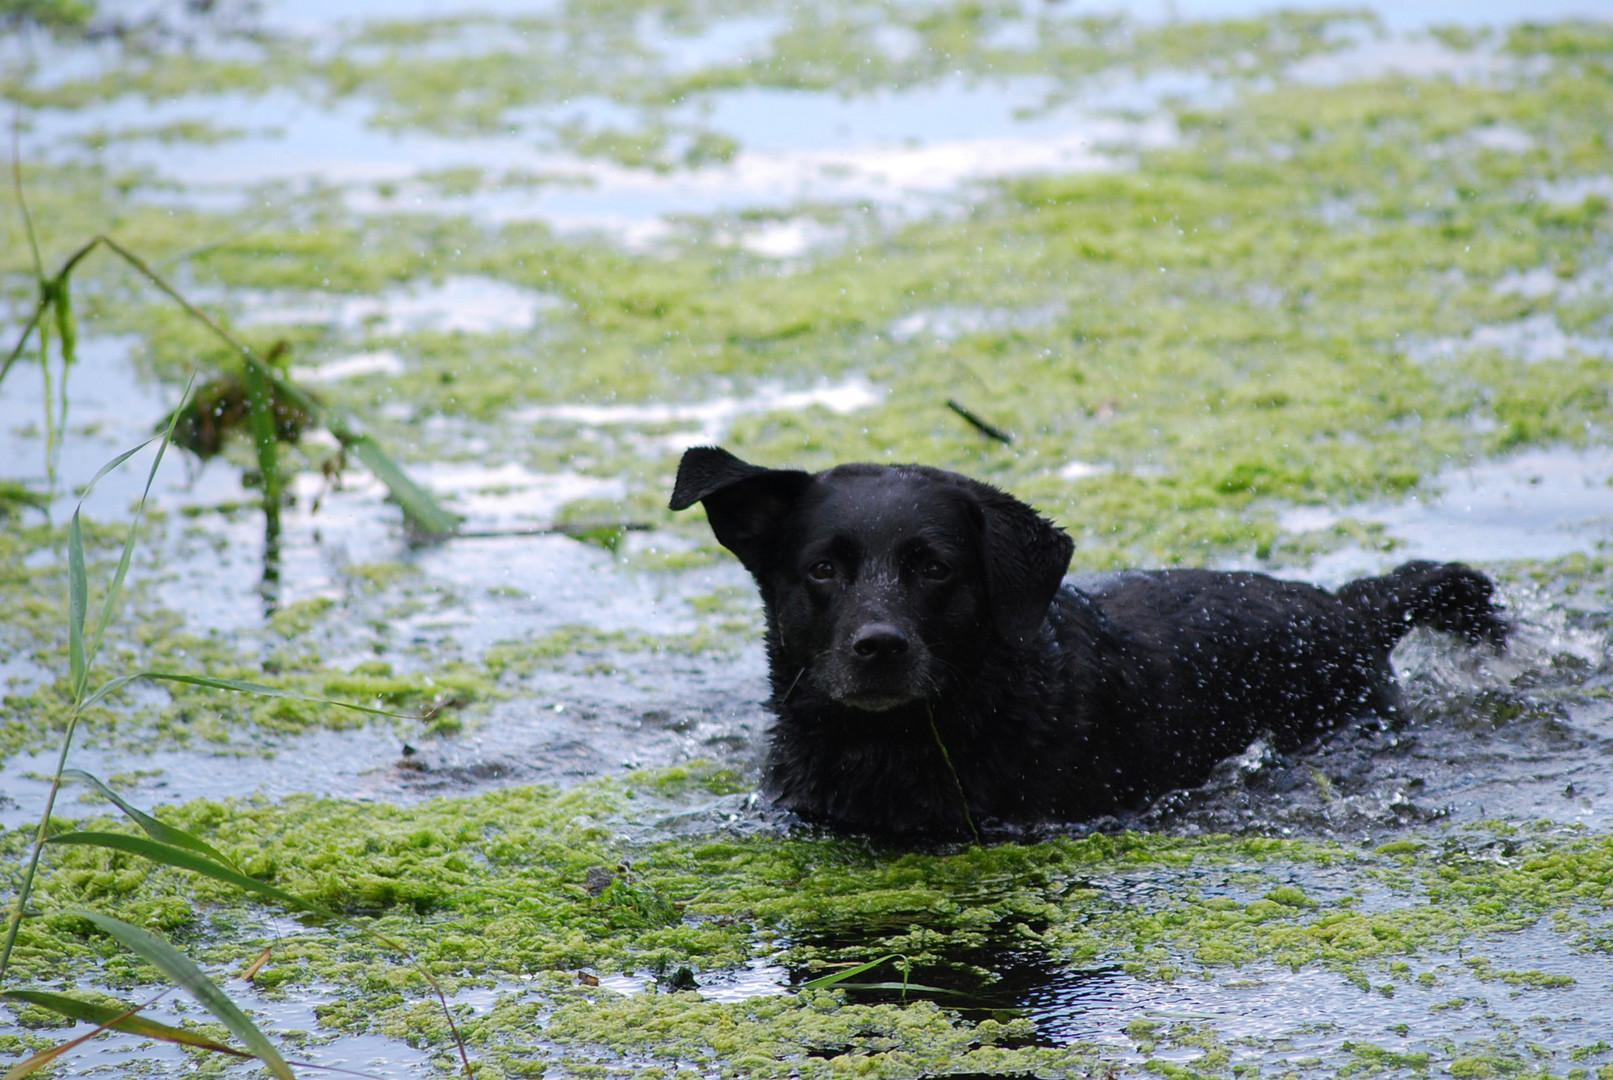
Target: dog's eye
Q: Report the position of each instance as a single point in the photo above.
(935, 570)
(822, 570)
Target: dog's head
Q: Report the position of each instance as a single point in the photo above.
(882, 583)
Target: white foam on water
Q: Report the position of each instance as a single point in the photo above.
(357, 365)
(712, 417)
(465, 304)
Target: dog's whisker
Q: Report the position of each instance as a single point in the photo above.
(786, 695)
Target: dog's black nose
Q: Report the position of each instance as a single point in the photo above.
(879, 640)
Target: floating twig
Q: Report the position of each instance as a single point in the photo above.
(987, 429)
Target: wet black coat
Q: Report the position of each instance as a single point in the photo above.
(933, 672)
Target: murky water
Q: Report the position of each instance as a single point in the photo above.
(1538, 504)
(1524, 736)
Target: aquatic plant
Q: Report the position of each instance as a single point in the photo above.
(166, 844)
(84, 646)
(275, 409)
(266, 390)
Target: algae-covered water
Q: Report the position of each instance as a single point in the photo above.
(1306, 290)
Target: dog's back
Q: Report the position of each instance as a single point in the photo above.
(1211, 660)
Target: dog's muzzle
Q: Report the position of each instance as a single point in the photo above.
(879, 666)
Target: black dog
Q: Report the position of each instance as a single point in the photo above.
(932, 671)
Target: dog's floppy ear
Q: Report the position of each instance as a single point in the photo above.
(1026, 557)
(745, 503)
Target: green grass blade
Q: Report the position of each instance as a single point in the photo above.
(113, 464)
(260, 409)
(66, 325)
(125, 1019)
(78, 655)
(168, 834)
(419, 507)
(265, 440)
(266, 691)
(79, 659)
(184, 859)
(108, 687)
(184, 973)
(904, 987)
(45, 292)
(850, 973)
(77, 604)
(53, 438)
(22, 340)
(124, 559)
(67, 330)
(22, 197)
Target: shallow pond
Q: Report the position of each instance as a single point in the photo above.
(1308, 292)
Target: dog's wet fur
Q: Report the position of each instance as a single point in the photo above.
(935, 674)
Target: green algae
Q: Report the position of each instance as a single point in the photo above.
(810, 1035)
(566, 646)
(1205, 287)
(501, 887)
(416, 77)
(64, 17)
(184, 131)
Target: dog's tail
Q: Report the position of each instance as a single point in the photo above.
(1442, 596)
